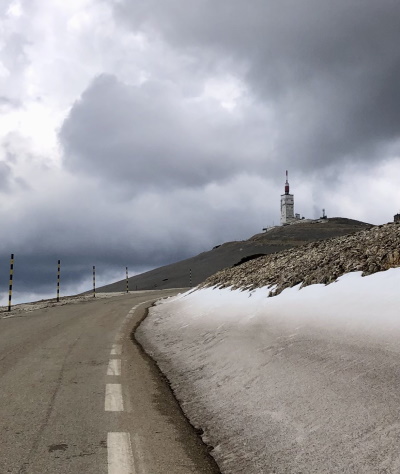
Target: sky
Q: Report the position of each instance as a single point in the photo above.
(141, 133)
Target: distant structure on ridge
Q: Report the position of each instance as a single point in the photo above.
(287, 206)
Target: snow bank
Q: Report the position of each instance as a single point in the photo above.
(306, 381)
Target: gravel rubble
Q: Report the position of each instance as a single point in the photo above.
(323, 261)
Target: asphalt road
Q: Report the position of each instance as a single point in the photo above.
(77, 395)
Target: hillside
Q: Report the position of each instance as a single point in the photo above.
(369, 251)
(277, 239)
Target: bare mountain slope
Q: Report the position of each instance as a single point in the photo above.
(277, 239)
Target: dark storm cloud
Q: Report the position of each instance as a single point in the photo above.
(153, 137)
(329, 69)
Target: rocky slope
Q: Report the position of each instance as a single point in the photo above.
(369, 251)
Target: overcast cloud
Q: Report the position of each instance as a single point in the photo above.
(140, 133)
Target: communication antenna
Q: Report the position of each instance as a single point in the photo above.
(287, 183)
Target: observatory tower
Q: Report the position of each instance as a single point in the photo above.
(287, 205)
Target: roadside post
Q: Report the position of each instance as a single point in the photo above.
(11, 281)
(190, 277)
(58, 280)
(127, 281)
(94, 281)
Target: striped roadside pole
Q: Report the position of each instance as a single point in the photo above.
(58, 280)
(127, 281)
(190, 277)
(11, 281)
(94, 281)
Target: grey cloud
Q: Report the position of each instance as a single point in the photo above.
(150, 136)
(330, 70)
(5, 174)
(9, 158)
(13, 63)
(13, 54)
(7, 103)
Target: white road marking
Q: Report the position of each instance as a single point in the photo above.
(113, 401)
(116, 349)
(114, 367)
(120, 457)
(119, 448)
(139, 456)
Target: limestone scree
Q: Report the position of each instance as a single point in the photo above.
(323, 261)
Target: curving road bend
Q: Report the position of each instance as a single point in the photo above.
(78, 396)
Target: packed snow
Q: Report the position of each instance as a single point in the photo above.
(304, 382)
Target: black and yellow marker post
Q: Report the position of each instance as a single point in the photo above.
(127, 281)
(94, 281)
(11, 281)
(58, 280)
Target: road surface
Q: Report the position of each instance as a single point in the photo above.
(78, 396)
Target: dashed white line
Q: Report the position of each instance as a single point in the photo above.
(120, 458)
(119, 448)
(116, 349)
(113, 400)
(114, 367)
